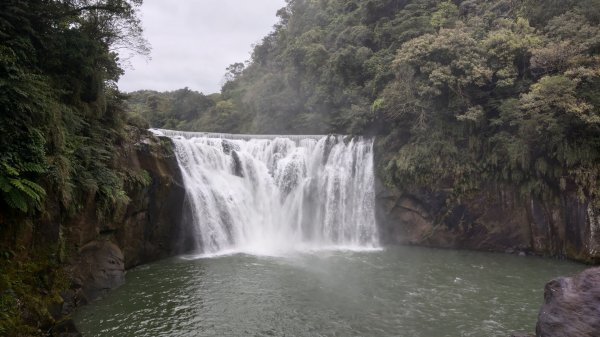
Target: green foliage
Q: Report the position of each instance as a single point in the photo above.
(60, 114)
(62, 124)
(19, 192)
(29, 287)
(445, 16)
(323, 66)
(141, 178)
(460, 92)
(184, 109)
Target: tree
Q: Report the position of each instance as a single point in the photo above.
(60, 110)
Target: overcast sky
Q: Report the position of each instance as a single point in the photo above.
(193, 41)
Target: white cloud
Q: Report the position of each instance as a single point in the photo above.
(193, 41)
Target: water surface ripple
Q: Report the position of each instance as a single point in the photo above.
(402, 291)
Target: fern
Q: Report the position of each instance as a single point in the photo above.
(141, 178)
(19, 192)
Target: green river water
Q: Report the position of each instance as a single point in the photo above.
(399, 291)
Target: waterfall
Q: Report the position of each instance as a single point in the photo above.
(268, 194)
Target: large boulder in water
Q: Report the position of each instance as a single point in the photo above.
(571, 306)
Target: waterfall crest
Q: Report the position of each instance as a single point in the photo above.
(270, 194)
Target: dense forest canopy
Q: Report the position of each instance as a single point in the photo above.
(459, 92)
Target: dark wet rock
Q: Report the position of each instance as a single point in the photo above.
(228, 146)
(72, 299)
(153, 224)
(65, 328)
(98, 245)
(330, 142)
(100, 268)
(571, 306)
(148, 229)
(238, 168)
(495, 219)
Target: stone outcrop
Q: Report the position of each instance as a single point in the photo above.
(493, 219)
(152, 225)
(571, 306)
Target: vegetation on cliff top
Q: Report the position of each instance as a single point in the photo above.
(460, 92)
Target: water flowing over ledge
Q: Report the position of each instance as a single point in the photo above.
(230, 136)
(273, 194)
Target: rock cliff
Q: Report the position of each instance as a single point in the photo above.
(147, 229)
(55, 261)
(494, 219)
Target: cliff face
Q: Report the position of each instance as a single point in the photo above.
(147, 229)
(494, 219)
(54, 262)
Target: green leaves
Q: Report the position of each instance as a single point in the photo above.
(555, 97)
(19, 192)
(445, 16)
(60, 114)
(463, 92)
(523, 101)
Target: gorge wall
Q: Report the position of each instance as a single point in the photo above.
(495, 218)
(146, 230)
(98, 251)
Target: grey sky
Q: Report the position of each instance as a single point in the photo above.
(193, 41)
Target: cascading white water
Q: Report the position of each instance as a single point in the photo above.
(271, 194)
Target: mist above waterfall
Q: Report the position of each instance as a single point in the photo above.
(279, 193)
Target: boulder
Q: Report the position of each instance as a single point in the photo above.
(571, 306)
(100, 268)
